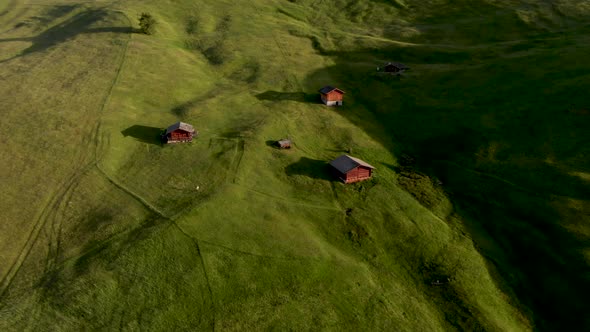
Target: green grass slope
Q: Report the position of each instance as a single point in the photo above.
(103, 228)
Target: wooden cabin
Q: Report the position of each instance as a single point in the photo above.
(395, 68)
(350, 169)
(331, 96)
(284, 143)
(178, 133)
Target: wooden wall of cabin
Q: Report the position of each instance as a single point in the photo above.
(179, 134)
(358, 173)
(364, 172)
(334, 96)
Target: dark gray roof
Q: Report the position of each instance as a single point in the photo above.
(181, 126)
(397, 65)
(345, 163)
(328, 89)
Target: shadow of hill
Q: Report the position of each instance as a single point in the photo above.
(182, 110)
(394, 3)
(496, 128)
(301, 97)
(112, 30)
(51, 14)
(145, 134)
(315, 169)
(78, 24)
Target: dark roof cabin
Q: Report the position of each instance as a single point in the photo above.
(284, 143)
(331, 96)
(395, 67)
(179, 132)
(350, 169)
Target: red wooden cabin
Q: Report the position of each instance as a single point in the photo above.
(285, 143)
(179, 132)
(349, 169)
(331, 96)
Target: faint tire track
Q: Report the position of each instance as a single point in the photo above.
(50, 209)
(261, 256)
(491, 176)
(98, 137)
(239, 155)
(129, 192)
(51, 205)
(98, 146)
(95, 139)
(202, 259)
(284, 55)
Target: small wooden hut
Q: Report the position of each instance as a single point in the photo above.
(331, 96)
(178, 133)
(284, 143)
(350, 169)
(395, 68)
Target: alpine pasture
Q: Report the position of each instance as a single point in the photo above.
(476, 217)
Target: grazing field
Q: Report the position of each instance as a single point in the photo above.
(477, 217)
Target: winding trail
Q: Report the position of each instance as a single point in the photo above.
(202, 260)
(129, 192)
(491, 176)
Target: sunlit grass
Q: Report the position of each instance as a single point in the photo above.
(104, 228)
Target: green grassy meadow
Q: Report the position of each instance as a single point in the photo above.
(482, 154)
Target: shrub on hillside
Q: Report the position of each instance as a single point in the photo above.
(425, 189)
(147, 23)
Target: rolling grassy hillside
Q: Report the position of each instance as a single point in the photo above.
(103, 228)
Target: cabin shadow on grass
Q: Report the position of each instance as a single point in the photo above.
(302, 97)
(144, 134)
(315, 169)
(273, 144)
